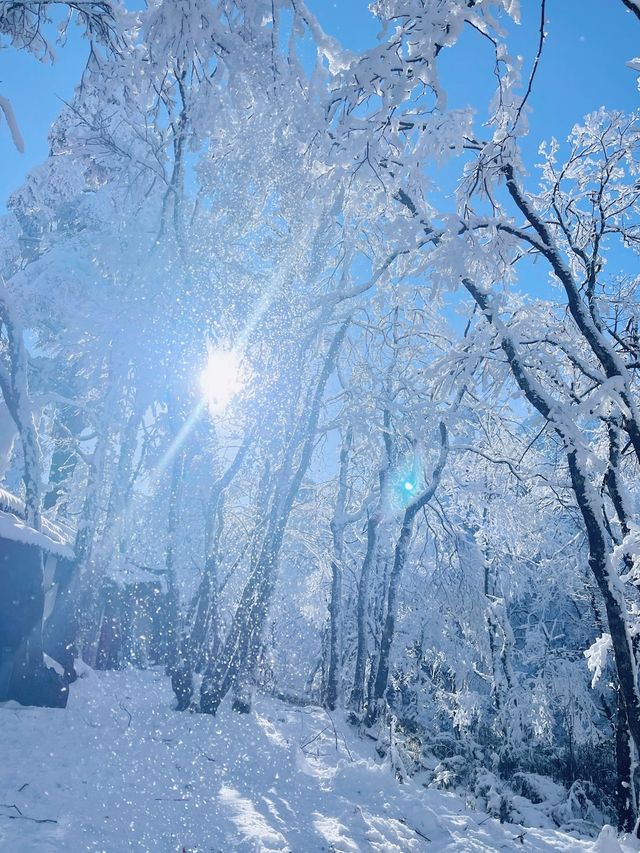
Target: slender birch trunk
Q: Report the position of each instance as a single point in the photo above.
(338, 524)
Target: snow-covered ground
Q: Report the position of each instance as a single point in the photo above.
(119, 770)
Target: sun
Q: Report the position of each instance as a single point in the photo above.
(221, 379)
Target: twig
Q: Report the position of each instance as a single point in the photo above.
(128, 713)
(172, 799)
(535, 65)
(21, 816)
(335, 734)
(419, 832)
(315, 737)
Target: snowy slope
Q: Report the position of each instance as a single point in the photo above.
(118, 770)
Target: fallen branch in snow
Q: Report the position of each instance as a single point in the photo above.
(314, 738)
(335, 734)
(294, 699)
(21, 816)
(172, 799)
(419, 832)
(26, 817)
(128, 713)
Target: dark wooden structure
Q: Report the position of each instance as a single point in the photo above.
(133, 625)
(36, 629)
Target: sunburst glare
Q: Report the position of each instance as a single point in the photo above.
(221, 379)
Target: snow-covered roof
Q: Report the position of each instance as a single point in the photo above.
(52, 538)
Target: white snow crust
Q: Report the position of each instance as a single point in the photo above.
(120, 770)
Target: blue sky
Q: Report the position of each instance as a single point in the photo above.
(583, 68)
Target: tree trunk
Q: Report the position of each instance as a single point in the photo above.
(241, 648)
(388, 630)
(233, 663)
(626, 806)
(176, 664)
(334, 652)
(399, 560)
(204, 640)
(590, 506)
(610, 588)
(356, 700)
